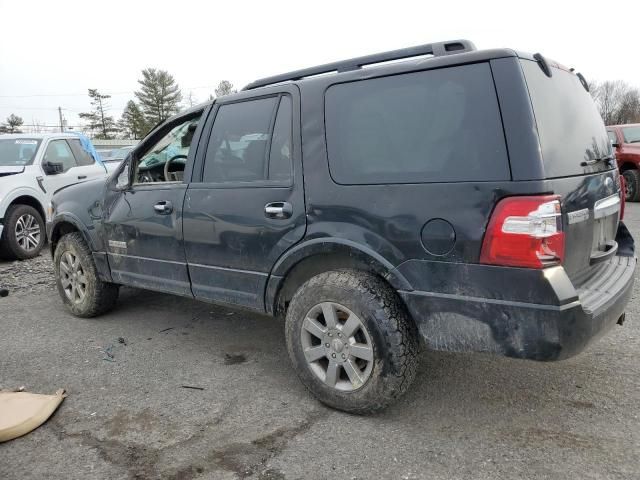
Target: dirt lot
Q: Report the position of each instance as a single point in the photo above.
(128, 414)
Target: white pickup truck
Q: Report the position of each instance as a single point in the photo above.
(32, 168)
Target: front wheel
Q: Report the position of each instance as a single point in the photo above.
(79, 286)
(351, 341)
(23, 235)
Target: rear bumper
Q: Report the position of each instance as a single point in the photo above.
(549, 318)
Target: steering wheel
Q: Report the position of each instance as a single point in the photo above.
(166, 165)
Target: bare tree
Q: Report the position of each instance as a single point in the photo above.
(617, 101)
(12, 124)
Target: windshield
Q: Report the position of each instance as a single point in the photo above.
(18, 151)
(570, 128)
(631, 134)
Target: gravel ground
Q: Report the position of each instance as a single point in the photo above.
(31, 276)
(128, 415)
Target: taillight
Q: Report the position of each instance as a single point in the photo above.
(525, 232)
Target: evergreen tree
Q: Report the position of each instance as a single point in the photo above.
(159, 96)
(132, 123)
(99, 124)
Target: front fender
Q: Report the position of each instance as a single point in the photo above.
(68, 218)
(7, 198)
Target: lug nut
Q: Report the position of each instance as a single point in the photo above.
(326, 345)
(344, 356)
(330, 334)
(339, 334)
(333, 355)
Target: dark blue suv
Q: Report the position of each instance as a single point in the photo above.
(440, 196)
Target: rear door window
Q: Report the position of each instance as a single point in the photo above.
(432, 126)
(239, 141)
(280, 166)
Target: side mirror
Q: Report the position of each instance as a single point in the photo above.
(122, 180)
(53, 168)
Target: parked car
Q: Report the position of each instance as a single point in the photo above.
(440, 201)
(32, 168)
(626, 141)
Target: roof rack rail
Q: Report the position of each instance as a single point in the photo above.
(436, 49)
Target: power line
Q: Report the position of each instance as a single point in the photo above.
(85, 94)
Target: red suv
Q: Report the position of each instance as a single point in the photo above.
(626, 140)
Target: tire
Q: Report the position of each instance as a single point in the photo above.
(387, 330)
(632, 181)
(84, 295)
(24, 235)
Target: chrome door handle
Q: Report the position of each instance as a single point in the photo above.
(278, 210)
(164, 207)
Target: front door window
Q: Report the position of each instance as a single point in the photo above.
(166, 160)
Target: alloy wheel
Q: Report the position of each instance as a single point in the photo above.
(28, 232)
(72, 277)
(337, 346)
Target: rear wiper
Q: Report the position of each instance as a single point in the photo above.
(588, 163)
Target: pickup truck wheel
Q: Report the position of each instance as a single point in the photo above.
(82, 292)
(23, 235)
(351, 341)
(632, 185)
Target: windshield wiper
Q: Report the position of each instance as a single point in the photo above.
(589, 163)
(635, 141)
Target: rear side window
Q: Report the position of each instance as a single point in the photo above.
(631, 134)
(82, 156)
(433, 126)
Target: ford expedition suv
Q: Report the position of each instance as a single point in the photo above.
(457, 200)
(32, 168)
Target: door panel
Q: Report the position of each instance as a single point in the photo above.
(250, 207)
(230, 243)
(144, 245)
(143, 223)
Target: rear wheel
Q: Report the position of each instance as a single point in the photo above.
(79, 286)
(632, 185)
(23, 235)
(351, 341)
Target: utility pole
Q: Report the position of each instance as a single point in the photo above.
(61, 124)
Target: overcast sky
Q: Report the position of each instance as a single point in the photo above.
(53, 51)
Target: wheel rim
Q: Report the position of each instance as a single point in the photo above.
(72, 277)
(28, 232)
(337, 346)
(629, 186)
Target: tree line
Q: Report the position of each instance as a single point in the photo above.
(158, 98)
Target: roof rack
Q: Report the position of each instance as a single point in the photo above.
(436, 49)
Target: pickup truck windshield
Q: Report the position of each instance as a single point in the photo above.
(631, 134)
(570, 128)
(18, 151)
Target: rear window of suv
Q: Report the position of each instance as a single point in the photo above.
(433, 126)
(570, 128)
